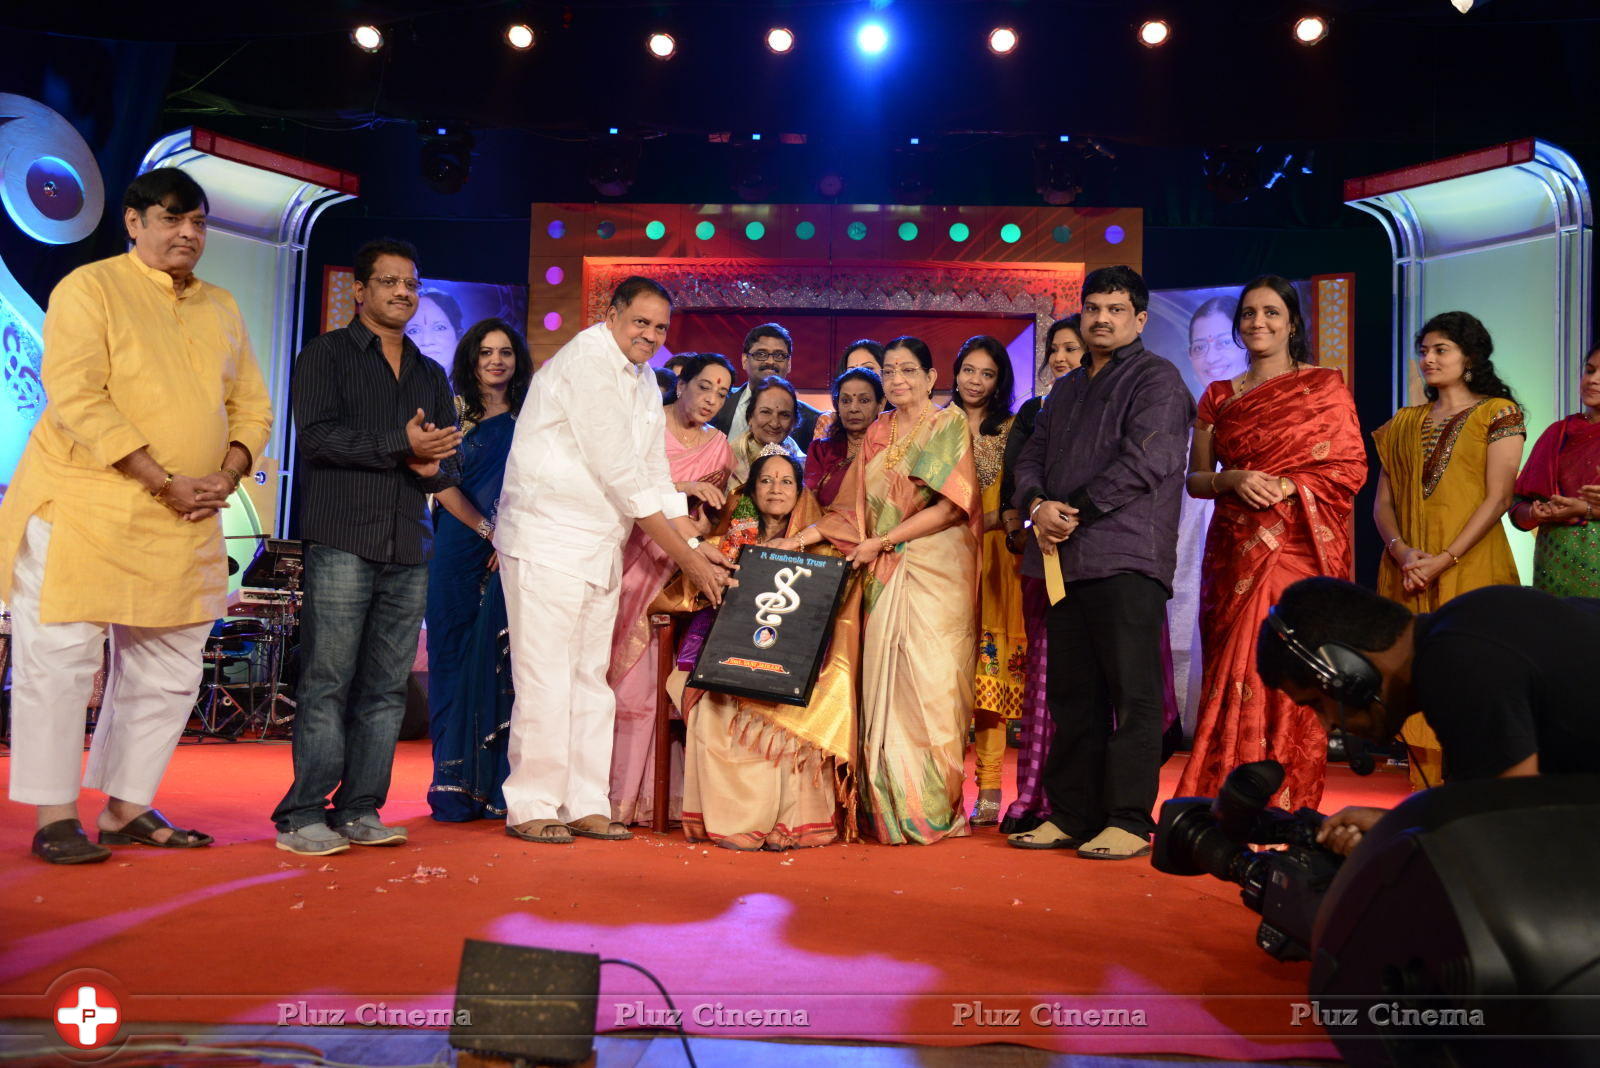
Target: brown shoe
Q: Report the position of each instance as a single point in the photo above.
(598, 826)
(63, 842)
(1114, 843)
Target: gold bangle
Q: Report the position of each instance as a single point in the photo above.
(1454, 559)
(885, 545)
(1214, 475)
(1284, 485)
(161, 494)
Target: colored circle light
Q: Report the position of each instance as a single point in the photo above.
(856, 230)
(655, 229)
(519, 35)
(1062, 234)
(755, 230)
(1011, 233)
(1310, 30)
(557, 229)
(872, 38)
(1115, 235)
(368, 38)
(1002, 40)
(780, 40)
(552, 321)
(607, 230)
(908, 231)
(1155, 33)
(554, 275)
(960, 231)
(806, 230)
(662, 46)
(705, 230)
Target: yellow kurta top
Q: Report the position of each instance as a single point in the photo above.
(130, 363)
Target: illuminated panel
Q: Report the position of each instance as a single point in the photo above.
(263, 206)
(1505, 233)
(50, 187)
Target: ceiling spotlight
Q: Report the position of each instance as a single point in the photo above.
(519, 35)
(1002, 40)
(872, 38)
(780, 40)
(1155, 33)
(1310, 30)
(662, 46)
(367, 38)
(1465, 6)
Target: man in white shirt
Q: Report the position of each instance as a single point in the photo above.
(588, 461)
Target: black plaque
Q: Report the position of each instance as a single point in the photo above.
(772, 630)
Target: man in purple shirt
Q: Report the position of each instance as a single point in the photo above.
(1102, 479)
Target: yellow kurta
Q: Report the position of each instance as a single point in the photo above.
(130, 363)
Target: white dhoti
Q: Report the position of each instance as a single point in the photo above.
(150, 691)
(564, 714)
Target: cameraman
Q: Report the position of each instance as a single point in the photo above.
(1496, 672)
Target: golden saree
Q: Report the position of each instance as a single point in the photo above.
(762, 774)
(1301, 426)
(919, 647)
(1436, 481)
(1002, 634)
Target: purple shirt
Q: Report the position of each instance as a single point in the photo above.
(1115, 447)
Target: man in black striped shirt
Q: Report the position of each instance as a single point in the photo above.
(377, 433)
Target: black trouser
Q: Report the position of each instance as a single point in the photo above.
(1104, 688)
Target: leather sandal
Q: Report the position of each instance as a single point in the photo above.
(1114, 843)
(1045, 836)
(550, 832)
(63, 842)
(142, 828)
(598, 826)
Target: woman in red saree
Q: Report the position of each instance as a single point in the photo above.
(1291, 459)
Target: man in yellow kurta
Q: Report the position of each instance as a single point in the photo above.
(156, 410)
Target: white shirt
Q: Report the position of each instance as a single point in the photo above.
(588, 457)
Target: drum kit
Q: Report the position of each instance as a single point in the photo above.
(250, 657)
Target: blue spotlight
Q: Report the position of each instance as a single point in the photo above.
(872, 38)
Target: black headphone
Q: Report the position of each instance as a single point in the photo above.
(1341, 671)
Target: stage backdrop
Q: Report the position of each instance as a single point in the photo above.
(445, 309)
(999, 268)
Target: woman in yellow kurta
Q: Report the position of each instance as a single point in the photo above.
(908, 516)
(983, 392)
(1448, 470)
(156, 408)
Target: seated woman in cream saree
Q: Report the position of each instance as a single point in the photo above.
(758, 774)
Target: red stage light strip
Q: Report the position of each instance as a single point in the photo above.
(1475, 162)
(215, 144)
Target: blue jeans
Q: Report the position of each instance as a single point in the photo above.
(358, 639)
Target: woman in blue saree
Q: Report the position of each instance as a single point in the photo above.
(469, 680)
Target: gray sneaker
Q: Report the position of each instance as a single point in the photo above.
(369, 830)
(313, 840)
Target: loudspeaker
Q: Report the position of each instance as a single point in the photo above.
(525, 1003)
(1465, 930)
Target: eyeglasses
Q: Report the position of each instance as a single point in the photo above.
(903, 372)
(1221, 343)
(768, 356)
(390, 281)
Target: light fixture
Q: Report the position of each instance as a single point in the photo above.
(1310, 30)
(445, 163)
(1002, 40)
(662, 46)
(780, 40)
(872, 38)
(1155, 33)
(519, 35)
(368, 38)
(1464, 6)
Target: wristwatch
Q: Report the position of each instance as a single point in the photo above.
(694, 542)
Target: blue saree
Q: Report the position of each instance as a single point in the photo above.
(469, 678)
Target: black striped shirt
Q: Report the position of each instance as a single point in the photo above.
(350, 415)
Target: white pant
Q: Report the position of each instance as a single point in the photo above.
(151, 688)
(564, 714)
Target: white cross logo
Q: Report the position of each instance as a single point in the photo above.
(87, 1016)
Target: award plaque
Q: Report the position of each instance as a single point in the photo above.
(772, 630)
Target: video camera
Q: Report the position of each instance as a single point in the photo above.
(1203, 835)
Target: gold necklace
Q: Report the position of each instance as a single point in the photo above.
(893, 456)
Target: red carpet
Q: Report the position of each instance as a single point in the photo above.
(932, 944)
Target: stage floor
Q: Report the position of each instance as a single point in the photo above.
(963, 943)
